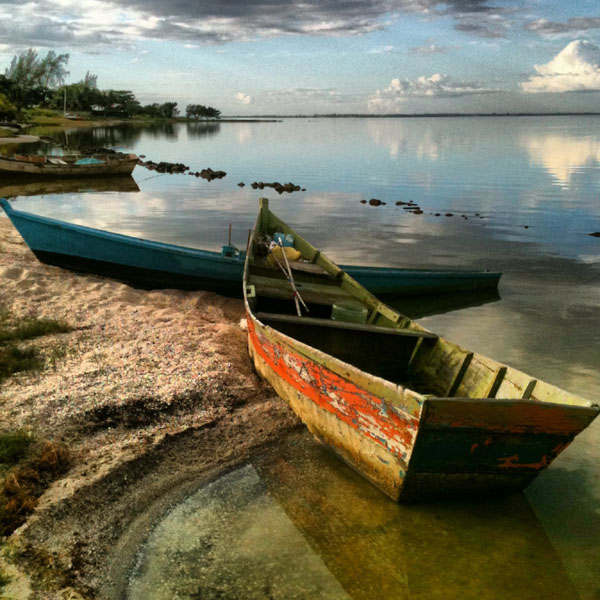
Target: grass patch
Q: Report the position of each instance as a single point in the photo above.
(13, 448)
(4, 580)
(25, 482)
(30, 328)
(15, 359)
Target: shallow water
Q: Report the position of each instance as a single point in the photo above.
(297, 523)
(524, 194)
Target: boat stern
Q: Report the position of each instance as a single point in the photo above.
(470, 447)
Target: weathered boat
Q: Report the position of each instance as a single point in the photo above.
(157, 265)
(416, 414)
(71, 165)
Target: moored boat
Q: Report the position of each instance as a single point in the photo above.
(70, 165)
(416, 414)
(157, 265)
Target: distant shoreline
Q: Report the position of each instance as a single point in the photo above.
(412, 115)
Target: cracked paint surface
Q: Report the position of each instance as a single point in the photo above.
(368, 414)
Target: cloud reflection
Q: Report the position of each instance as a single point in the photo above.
(400, 139)
(562, 156)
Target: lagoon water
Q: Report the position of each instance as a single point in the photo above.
(524, 195)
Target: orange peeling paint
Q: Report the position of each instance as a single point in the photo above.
(512, 462)
(363, 411)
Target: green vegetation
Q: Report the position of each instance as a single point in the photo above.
(13, 358)
(39, 464)
(199, 111)
(35, 82)
(13, 447)
(4, 580)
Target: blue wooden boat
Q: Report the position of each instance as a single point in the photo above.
(155, 265)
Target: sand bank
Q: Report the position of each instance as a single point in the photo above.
(152, 391)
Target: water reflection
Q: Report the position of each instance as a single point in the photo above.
(201, 129)
(123, 135)
(406, 137)
(561, 155)
(12, 187)
(298, 523)
(417, 307)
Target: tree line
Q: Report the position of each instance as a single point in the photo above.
(35, 81)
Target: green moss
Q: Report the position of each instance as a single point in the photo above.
(13, 447)
(13, 358)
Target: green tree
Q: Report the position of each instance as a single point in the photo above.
(199, 111)
(121, 101)
(31, 77)
(53, 69)
(7, 108)
(29, 70)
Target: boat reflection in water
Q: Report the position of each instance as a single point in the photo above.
(17, 186)
(417, 307)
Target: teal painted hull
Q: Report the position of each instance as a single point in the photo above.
(159, 265)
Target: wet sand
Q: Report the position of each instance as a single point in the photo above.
(152, 392)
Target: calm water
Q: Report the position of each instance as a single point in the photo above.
(524, 194)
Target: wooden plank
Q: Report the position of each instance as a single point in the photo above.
(500, 373)
(460, 373)
(310, 268)
(314, 293)
(529, 389)
(501, 415)
(264, 317)
(399, 397)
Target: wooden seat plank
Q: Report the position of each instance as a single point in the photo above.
(281, 318)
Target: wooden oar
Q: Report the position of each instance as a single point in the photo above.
(290, 278)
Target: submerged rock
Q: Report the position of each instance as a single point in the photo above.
(209, 174)
(163, 167)
(278, 187)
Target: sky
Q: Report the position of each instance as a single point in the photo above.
(287, 57)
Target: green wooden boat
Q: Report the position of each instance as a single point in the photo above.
(416, 414)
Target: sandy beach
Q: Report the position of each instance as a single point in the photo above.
(152, 392)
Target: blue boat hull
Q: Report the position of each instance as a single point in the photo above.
(156, 265)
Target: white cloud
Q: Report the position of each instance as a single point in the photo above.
(430, 49)
(243, 98)
(436, 86)
(575, 69)
(381, 50)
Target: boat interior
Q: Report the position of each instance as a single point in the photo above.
(66, 159)
(333, 321)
